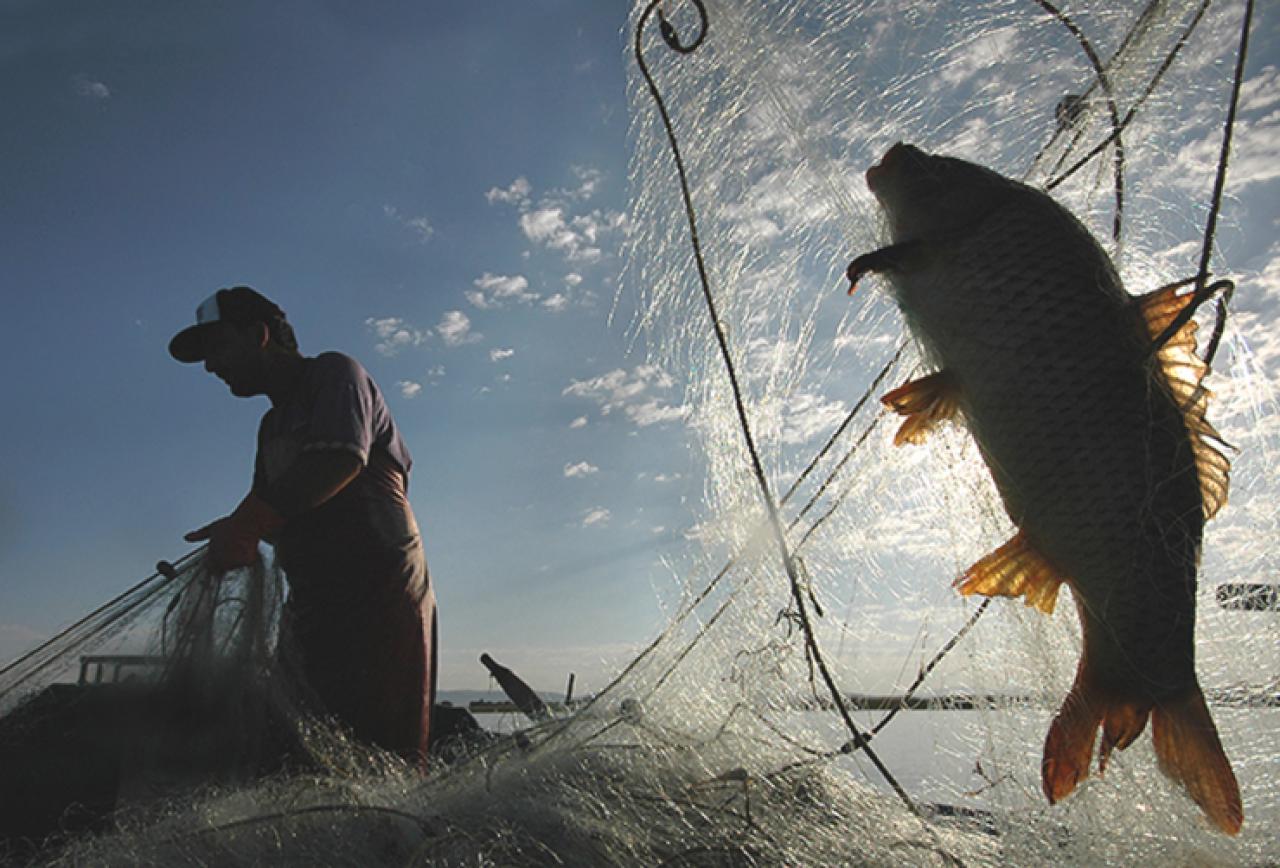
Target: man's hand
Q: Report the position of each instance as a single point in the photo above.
(233, 540)
(229, 545)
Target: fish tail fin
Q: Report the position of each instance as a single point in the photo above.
(1123, 720)
(1068, 748)
(1190, 752)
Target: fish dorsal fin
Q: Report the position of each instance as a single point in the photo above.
(925, 402)
(1184, 371)
(1015, 569)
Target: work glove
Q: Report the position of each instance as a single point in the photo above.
(233, 539)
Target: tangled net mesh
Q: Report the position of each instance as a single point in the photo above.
(722, 742)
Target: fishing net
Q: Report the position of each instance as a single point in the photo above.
(176, 686)
(184, 638)
(821, 694)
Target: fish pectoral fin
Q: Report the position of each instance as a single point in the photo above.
(925, 402)
(1184, 373)
(1015, 569)
(1190, 752)
(895, 257)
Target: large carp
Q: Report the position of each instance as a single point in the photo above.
(1095, 436)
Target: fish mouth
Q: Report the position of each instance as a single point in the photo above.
(889, 163)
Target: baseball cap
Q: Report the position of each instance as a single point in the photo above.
(237, 305)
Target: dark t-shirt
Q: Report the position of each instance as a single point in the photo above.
(364, 538)
(360, 619)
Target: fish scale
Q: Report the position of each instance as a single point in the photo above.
(1050, 364)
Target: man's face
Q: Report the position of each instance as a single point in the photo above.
(236, 354)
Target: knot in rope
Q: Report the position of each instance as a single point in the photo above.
(672, 38)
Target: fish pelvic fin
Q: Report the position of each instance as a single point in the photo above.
(1184, 373)
(1068, 748)
(925, 402)
(1015, 569)
(1190, 752)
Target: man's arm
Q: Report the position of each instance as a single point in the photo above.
(314, 478)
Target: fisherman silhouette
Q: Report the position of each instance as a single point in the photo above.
(329, 492)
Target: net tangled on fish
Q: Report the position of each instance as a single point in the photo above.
(723, 742)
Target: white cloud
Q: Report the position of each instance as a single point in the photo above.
(394, 334)
(499, 353)
(420, 226)
(517, 194)
(598, 515)
(972, 141)
(556, 303)
(546, 226)
(632, 393)
(980, 55)
(577, 238)
(843, 342)
(1177, 257)
(588, 182)
(654, 412)
(592, 226)
(1255, 156)
(1262, 91)
(493, 289)
(1255, 307)
(582, 468)
(774, 201)
(808, 416)
(572, 279)
(580, 422)
(479, 299)
(90, 89)
(409, 389)
(455, 329)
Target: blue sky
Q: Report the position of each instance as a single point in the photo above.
(439, 190)
(436, 190)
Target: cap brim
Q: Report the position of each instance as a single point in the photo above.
(188, 344)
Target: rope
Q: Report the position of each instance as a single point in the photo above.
(1228, 126)
(146, 590)
(775, 522)
(1165, 65)
(693, 604)
(937, 658)
(1223, 288)
(1105, 83)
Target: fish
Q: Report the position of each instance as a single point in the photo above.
(1092, 422)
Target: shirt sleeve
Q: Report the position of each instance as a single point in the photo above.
(341, 414)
